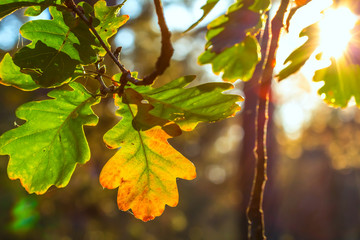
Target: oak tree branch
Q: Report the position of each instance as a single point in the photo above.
(255, 212)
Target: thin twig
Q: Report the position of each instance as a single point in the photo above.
(162, 63)
(100, 71)
(70, 4)
(255, 212)
(167, 50)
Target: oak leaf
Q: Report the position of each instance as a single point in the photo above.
(45, 150)
(145, 168)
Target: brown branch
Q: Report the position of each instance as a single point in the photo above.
(167, 50)
(255, 212)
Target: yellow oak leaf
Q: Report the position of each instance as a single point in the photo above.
(145, 169)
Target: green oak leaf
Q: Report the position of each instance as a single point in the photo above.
(45, 150)
(110, 21)
(341, 83)
(9, 6)
(10, 75)
(231, 45)
(144, 120)
(259, 5)
(299, 56)
(232, 28)
(34, 11)
(209, 5)
(189, 106)
(236, 62)
(64, 32)
(47, 66)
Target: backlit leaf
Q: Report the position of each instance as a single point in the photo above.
(144, 120)
(341, 78)
(233, 30)
(10, 75)
(301, 2)
(210, 4)
(34, 11)
(110, 21)
(9, 6)
(189, 106)
(47, 66)
(237, 62)
(145, 169)
(341, 83)
(259, 5)
(300, 55)
(45, 150)
(64, 33)
(231, 45)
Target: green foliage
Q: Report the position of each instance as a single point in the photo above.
(45, 150)
(189, 106)
(10, 75)
(109, 21)
(209, 5)
(231, 45)
(64, 33)
(299, 56)
(9, 6)
(47, 66)
(340, 78)
(237, 62)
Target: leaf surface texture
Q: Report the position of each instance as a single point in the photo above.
(189, 106)
(45, 150)
(145, 167)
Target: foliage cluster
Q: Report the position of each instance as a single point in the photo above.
(73, 45)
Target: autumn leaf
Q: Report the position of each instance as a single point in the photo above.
(45, 150)
(301, 2)
(145, 168)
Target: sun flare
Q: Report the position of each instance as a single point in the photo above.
(335, 31)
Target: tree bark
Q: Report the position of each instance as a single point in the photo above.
(255, 211)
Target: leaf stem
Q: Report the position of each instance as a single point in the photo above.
(103, 89)
(71, 5)
(254, 211)
(162, 63)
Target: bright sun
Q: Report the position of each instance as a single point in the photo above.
(335, 31)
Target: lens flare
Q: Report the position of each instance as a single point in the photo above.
(335, 31)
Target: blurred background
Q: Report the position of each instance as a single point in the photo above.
(313, 191)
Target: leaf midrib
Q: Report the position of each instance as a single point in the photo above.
(144, 151)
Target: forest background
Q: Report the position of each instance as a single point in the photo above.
(313, 192)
